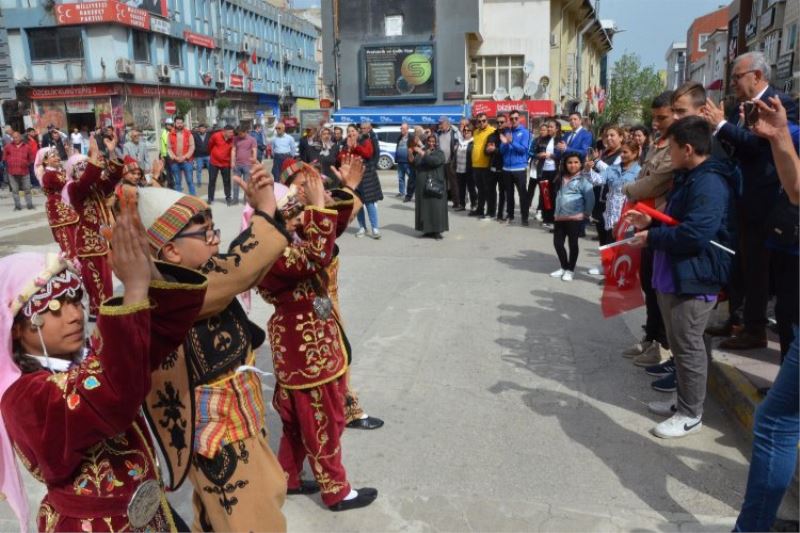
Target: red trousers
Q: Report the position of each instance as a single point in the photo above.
(97, 281)
(313, 422)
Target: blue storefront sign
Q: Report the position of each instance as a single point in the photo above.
(398, 114)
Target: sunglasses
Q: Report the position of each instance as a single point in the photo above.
(482, 121)
(515, 119)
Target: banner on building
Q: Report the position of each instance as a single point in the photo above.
(100, 12)
(199, 39)
(398, 72)
(533, 108)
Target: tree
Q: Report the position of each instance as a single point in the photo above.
(183, 106)
(631, 89)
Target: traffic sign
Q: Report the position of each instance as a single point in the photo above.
(170, 108)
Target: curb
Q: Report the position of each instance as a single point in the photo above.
(737, 395)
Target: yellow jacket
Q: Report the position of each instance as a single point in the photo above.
(479, 138)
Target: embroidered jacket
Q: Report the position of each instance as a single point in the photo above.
(88, 196)
(80, 432)
(307, 348)
(199, 402)
(61, 216)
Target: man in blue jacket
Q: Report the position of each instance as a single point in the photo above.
(688, 271)
(579, 140)
(515, 143)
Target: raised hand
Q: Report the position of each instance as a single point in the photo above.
(772, 120)
(351, 171)
(259, 190)
(111, 145)
(712, 112)
(315, 191)
(130, 258)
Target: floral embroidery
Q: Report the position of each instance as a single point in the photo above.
(47, 518)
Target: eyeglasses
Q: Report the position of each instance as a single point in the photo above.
(210, 235)
(482, 121)
(515, 119)
(736, 77)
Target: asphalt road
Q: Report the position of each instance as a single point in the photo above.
(507, 404)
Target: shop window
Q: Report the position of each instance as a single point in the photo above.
(49, 44)
(141, 46)
(174, 46)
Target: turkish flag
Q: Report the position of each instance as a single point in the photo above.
(254, 58)
(623, 288)
(244, 67)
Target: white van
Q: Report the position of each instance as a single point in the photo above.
(387, 139)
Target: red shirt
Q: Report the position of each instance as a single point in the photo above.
(17, 157)
(220, 150)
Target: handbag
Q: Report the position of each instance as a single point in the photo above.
(433, 189)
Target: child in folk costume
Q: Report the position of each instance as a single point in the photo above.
(310, 355)
(75, 423)
(77, 208)
(60, 215)
(206, 404)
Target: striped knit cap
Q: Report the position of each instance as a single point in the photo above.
(289, 168)
(165, 212)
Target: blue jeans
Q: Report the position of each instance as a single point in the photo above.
(200, 163)
(412, 182)
(243, 172)
(775, 435)
(403, 170)
(372, 211)
(186, 169)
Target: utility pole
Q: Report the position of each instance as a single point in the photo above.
(282, 90)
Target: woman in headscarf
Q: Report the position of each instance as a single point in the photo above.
(75, 422)
(431, 203)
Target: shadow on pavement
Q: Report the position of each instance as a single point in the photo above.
(567, 341)
(402, 230)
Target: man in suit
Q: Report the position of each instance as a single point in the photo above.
(579, 140)
(759, 194)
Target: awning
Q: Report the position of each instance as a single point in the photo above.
(715, 85)
(398, 114)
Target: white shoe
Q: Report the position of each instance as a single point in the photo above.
(376, 234)
(557, 274)
(360, 233)
(567, 276)
(637, 349)
(538, 216)
(677, 426)
(597, 271)
(667, 408)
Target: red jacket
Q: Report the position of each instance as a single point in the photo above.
(363, 149)
(18, 158)
(220, 150)
(188, 143)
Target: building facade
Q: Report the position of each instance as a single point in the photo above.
(676, 64)
(539, 56)
(698, 33)
(90, 64)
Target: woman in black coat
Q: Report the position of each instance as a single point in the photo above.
(430, 212)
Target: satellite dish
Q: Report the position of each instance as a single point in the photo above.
(527, 68)
(544, 81)
(530, 88)
(516, 93)
(501, 93)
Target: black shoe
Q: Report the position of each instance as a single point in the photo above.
(460, 208)
(438, 236)
(228, 202)
(664, 369)
(501, 219)
(406, 199)
(365, 497)
(399, 195)
(31, 207)
(370, 422)
(307, 486)
(526, 223)
(666, 384)
(17, 208)
(475, 213)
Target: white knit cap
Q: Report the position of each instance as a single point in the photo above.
(165, 212)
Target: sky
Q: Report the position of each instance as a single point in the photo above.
(650, 25)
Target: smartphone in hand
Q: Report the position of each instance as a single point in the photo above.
(750, 114)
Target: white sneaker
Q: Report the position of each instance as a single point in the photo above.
(360, 233)
(677, 426)
(667, 408)
(637, 349)
(597, 271)
(567, 276)
(538, 216)
(557, 274)
(376, 234)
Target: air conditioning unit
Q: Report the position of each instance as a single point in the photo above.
(287, 55)
(553, 40)
(473, 85)
(473, 69)
(299, 54)
(162, 71)
(220, 76)
(246, 46)
(124, 67)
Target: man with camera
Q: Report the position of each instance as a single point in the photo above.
(759, 200)
(53, 137)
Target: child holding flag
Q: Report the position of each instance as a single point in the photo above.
(688, 271)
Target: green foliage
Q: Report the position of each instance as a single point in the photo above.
(183, 106)
(631, 89)
(223, 104)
